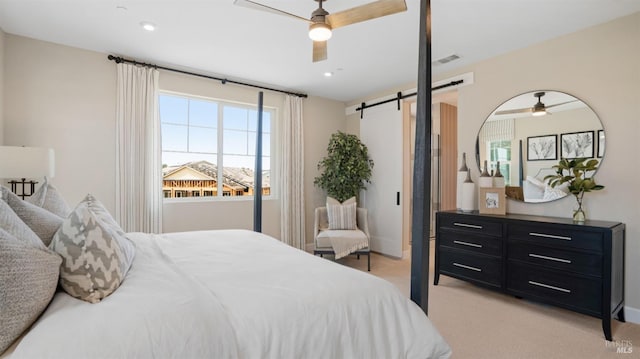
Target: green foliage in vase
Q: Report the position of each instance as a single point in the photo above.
(575, 172)
(346, 167)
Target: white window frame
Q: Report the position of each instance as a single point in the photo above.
(274, 131)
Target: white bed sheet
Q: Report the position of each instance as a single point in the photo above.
(236, 294)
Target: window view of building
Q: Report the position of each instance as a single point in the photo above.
(209, 142)
(199, 179)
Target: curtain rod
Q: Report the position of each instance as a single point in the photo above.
(400, 96)
(222, 80)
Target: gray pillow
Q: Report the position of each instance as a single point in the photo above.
(42, 222)
(48, 197)
(10, 222)
(96, 255)
(28, 281)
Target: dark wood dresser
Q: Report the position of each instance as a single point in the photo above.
(579, 267)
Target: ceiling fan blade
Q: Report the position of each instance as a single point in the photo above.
(366, 12)
(257, 6)
(319, 51)
(511, 112)
(561, 103)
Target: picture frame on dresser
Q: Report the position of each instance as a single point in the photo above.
(492, 200)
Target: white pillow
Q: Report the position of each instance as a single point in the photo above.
(532, 188)
(536, 182)
(551, 193)
(342, 215)
(96, 255)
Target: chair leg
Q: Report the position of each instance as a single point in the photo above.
(369, 262)
(358, 256)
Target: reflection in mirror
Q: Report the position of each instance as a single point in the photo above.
(529, 133)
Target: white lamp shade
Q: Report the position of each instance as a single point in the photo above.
(26, 162)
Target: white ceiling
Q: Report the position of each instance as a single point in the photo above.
(216, 37)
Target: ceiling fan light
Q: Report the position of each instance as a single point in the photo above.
(319, 32)
(539, 112)
(539, 109)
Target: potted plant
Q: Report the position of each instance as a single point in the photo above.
(576, 172)
(346, 167)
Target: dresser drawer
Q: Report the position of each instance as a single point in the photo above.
(555, 286)
(471, 242)
(556, 236)
(556, 258)
(473, 267)
(470, 224)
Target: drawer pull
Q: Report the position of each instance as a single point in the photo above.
(475, 226)
(549, 258)
(549, 286)
(549, 236)
(467, 267)
(468, 244)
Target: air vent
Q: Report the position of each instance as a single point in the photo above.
(445, 60)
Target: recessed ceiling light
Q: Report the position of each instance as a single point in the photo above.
(328, 74)
(148, 26)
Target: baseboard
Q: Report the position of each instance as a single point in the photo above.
(632, 315)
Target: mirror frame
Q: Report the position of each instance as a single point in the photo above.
(515, 191)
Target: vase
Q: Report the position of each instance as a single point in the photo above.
(579, 215)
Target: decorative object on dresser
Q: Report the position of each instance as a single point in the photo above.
(22, 164)
(485, 179)
(468, 193)
(462, 176)
(546, 259)
(575, 173)
(492, 200)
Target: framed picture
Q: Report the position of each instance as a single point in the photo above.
(577, 144)
(542, 148)
(492, 200)
(600, 143)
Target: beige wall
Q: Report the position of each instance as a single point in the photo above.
(601, 66)
(322, 118)
(64, 98)
(2, 36)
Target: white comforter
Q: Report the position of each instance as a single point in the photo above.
(235, 294)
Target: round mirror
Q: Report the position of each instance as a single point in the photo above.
(529, 133)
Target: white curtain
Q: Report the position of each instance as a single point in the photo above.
(138, 150)
(292, 230)
(497, 130)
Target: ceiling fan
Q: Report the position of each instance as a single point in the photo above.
(321, 22)
(538, 109)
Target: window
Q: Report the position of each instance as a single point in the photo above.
(500, 151)
(208, 147)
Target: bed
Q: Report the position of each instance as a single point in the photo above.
(233, 294)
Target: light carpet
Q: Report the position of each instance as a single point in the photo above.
(479, 323)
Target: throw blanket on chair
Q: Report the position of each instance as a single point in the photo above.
(345, 242)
